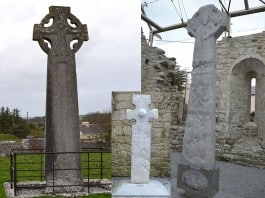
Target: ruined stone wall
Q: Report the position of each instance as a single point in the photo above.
(33, 143)
(158, 72)
(239, 60)
(6, 146)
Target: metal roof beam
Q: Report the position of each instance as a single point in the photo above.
(181, 25)
(246, 12)
(171, 27)
(149, 21)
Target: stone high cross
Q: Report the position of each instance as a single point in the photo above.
(141, 138)
(62, 117)
(206, 25)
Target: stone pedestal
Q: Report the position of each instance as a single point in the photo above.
(124, 188)
(206, 183)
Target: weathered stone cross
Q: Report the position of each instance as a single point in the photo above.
(141, 138)
(62, 117)
(206, 26)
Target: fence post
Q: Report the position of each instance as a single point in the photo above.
(101, 164)
(15, 174)
(41, 167)
(53, 173)
(88, 172)
(11, 169)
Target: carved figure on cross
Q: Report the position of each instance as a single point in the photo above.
(141, 138)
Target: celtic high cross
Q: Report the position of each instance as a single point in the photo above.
(62, 116)
(198, 174)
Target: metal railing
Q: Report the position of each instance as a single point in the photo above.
(28, 165)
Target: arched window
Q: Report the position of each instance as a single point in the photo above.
(253, 99)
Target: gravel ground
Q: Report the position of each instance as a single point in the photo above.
(235, 180)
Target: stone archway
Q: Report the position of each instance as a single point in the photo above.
(238, 60)
(240, 98)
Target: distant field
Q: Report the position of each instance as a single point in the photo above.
(5, 163)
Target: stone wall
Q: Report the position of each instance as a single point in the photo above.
(38, 143)
(177, 134)
(158, 71)
(33, 143)
(6, 146)
(239, 60)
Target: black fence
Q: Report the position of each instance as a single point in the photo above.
(28, 166)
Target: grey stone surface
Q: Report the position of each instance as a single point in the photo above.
(62, 117)
(235, 180)
(38, 189)
(206, 26)
(141, 138)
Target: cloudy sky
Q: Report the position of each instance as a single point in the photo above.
(178, 43)
(109, 61)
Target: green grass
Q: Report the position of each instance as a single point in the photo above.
(8, 137)
(4, 174)
(33, 162)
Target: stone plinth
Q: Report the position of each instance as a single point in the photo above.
(154, 188)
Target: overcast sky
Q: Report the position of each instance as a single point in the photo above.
(109, 61)
(164, 14)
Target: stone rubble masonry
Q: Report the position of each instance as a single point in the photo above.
(238, 60)
(38, 144)
(6, 146)
(158, 70)
(33, 143)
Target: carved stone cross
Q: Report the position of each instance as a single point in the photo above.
(206, 26)
(141, 138)
(62, 117)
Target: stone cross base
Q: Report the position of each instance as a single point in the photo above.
(198, 183)
(125, 189)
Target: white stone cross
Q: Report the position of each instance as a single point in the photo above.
(141, 138)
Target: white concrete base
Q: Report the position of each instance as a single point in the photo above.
(125, 189)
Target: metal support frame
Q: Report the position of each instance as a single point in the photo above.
(159, 29)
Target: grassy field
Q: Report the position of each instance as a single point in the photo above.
(33, 162)
(8, 137)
